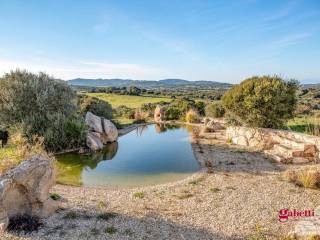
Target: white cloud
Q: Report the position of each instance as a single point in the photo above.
(87, 69)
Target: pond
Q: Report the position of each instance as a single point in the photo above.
(149, 155)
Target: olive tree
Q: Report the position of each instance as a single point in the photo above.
(266, 101)
(24, 94)
(43, 106)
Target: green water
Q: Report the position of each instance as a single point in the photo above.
(150, 155)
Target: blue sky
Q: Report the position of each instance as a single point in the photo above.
(216, 40)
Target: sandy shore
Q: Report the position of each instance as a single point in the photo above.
(237, 195)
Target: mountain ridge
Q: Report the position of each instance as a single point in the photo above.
(117, 82)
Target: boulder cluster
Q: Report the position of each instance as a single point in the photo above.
(101, 131)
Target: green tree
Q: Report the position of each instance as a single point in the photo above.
(214, 110)
(24, 95)
(200, 107)
(266, 101)
(96, 106)
(43, 106)
(133, 90)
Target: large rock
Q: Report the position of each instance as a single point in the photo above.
(101, 131)
(213, 125)
(159, 114)
(94, 141)
(25, 190)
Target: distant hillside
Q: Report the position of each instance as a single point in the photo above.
(165, 83)
(311, 85)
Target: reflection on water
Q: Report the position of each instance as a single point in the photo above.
(149, 155)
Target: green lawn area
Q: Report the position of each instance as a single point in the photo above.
(129, 101)
(305, 124)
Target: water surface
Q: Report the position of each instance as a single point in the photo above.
(151, 154)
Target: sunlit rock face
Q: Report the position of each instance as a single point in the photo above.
(159, 114)
(101, 131)
(283, 146)
(25, 190)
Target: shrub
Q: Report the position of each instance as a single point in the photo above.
(24, 95)
(111, 230)
(133, 90)
(43, 107)
(59, 131)
(24, 223)
(192, 116)
(308, 177)
(150, 107)
(96, 106)
(140, 117)
(55, 196)
(124, 111)
(183, 104)
(138, 195)
(214, 110)
(18, 150)
(172, 113)
(200, 107)
(261, 102)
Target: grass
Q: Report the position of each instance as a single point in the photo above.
(18, 150)
(55, 196)
(258, 235)
(214, 190)
(231, 188)
(184, 195)
(138, 195)
(106, 216)
(305, 124)
(130, 101)
(307, 177)
(197, 181)
(70, 215)
(110, 230)
(124, 121)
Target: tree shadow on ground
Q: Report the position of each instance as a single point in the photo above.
(79, 224)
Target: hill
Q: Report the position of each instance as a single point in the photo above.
(148, 84)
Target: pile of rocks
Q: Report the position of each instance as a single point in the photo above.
(213, 124)
(283, 146)
(101, 131)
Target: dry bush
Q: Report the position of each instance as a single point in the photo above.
(192, 116)
(20, 149)
(308, 177)
(140, 116)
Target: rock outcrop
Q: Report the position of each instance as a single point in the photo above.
(25, 190)
(101, 131)
(213, 124)
(283, 146)
(159, 114)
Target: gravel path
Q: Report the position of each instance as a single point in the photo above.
(238, 199)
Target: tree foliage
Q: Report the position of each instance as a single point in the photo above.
(214, 110)
(96, 106)
(43, 106)
(266, 101)
(24, 95)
